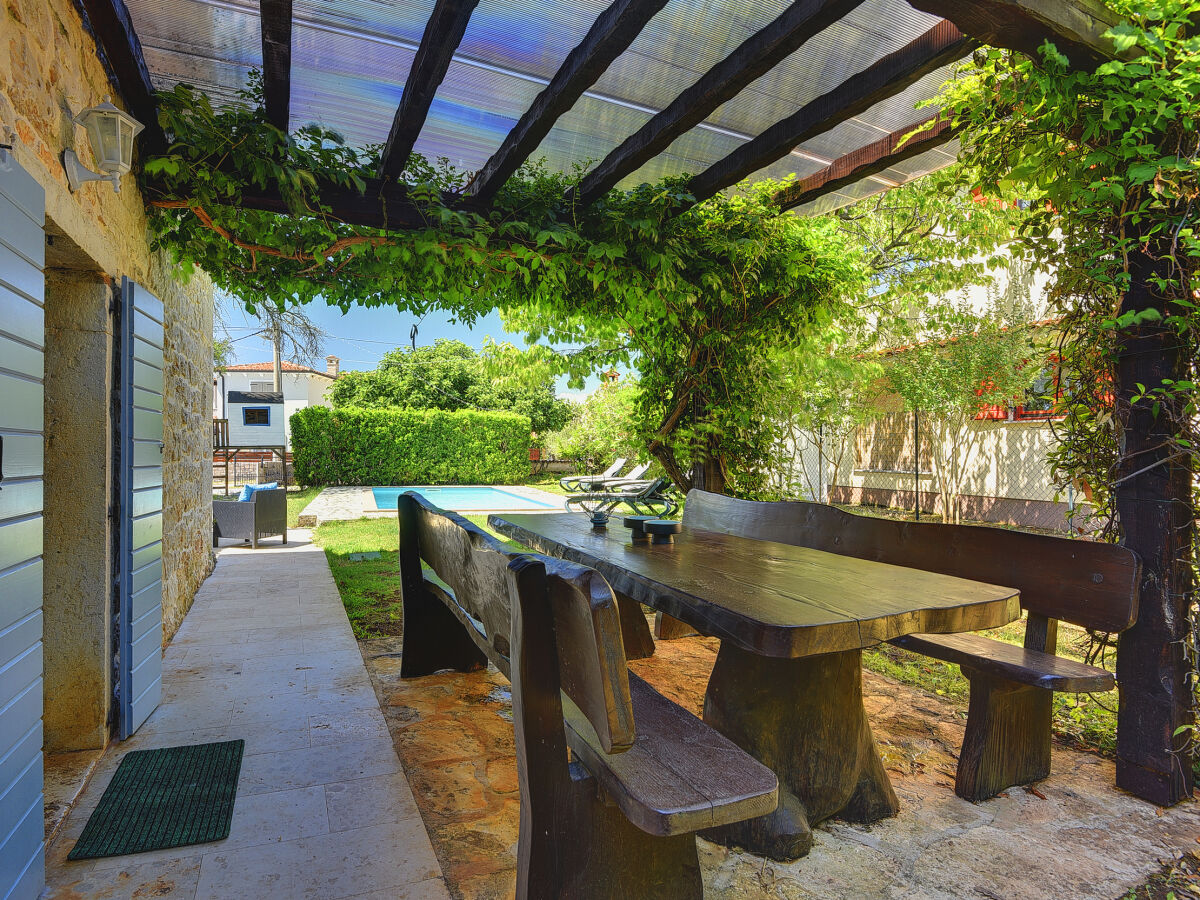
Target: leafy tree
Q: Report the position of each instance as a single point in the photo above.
(1108, 161)
(708, 299)
(602, 430)
(222, 350)
(965, 362)
(696, 299)
(931, 239)
(823, 398)
(449, 375)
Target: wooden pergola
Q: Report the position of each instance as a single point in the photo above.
(1151, 669)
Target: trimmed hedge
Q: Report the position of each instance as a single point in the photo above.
(408, 446)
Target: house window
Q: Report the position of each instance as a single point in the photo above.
(256, 415)
(1041, 398)
(262, 387)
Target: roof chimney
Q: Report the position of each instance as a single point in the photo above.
(332, 364)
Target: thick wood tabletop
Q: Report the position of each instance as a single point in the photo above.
(771, 599)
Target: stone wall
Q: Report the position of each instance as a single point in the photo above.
(49, 71)
(77, 571)
(187, 430)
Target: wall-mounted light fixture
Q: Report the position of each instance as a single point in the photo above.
(110, 132)
(8, 137)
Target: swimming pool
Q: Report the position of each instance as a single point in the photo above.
(464, 499)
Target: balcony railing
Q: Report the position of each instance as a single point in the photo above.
(220, 433)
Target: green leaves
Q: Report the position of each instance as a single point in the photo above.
(373, 447)
(451, 376)
(1124, 37)
(1110, 159)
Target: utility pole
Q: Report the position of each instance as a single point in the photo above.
(276, 338)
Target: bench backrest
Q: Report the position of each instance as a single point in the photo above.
(1087, 583)
(586, 628)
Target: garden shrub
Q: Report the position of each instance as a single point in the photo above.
(602, 430)
(408, 446)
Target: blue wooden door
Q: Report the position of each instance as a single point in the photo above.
(139, 660)
(22, 334)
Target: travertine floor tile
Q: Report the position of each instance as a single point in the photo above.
(267, 655)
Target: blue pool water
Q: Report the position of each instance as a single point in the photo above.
(462, 499)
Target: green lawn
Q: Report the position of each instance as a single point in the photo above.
(297, 499)
(370, 590)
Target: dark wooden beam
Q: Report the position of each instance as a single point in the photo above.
(443, 33)
(385, 205)
(608, 38)
(117, 41)
(1075, 27)
(942, 44)
(1153, 497)
(866, 161)
(276, 27)
(755, 57)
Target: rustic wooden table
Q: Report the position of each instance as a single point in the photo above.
(787, 684)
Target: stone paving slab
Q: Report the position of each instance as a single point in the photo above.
(323, 809)
(1077, 837)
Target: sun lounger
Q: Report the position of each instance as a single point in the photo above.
(577, 483)
(646, 499)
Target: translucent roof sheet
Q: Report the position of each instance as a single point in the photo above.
(350, 59)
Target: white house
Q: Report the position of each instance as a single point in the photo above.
(302, 387)
(255, 419)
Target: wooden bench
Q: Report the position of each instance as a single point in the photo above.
(1087, 583)
(618, 821)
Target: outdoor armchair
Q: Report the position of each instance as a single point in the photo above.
(651, 498)
(264, 513)
(577, 483)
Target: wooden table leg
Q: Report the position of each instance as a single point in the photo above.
(668, 628)
(635, 630)
(803, 718)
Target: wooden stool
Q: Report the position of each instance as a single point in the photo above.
(636, 525)
(662, 531)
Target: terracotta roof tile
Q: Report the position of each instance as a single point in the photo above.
(270, 367)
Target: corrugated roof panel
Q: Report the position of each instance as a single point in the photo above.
(351, 57)
(918, 166)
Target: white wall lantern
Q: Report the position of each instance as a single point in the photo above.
(8, 137)
(110, 132)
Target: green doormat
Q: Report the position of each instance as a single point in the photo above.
(164, 798)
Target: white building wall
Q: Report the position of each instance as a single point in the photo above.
(240, 435)
(300, 390)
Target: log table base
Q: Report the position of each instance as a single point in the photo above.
(803, 718)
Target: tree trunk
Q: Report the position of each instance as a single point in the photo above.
(1153, 502)
(708, 468)
(671, 466)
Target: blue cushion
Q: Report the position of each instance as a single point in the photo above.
(248, 490)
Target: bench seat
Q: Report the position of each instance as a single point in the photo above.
(1009, 662)
(615, 779)
(680, 776)
(1091, 584)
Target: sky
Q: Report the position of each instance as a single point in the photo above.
(360, 337)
